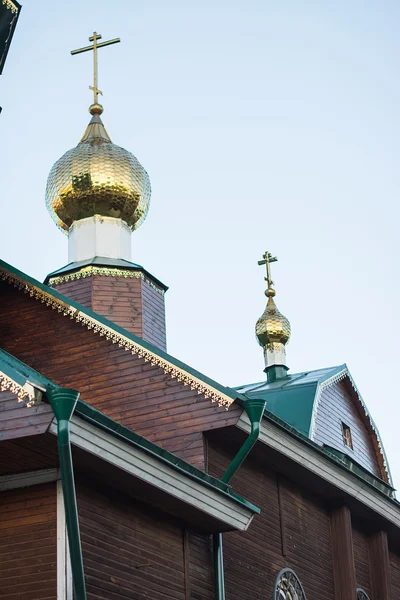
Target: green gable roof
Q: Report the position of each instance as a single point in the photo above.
(292, 398)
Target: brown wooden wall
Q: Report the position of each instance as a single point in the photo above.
(200, 567)
(129, 302)
(292, 531)
(135, 393)
(337, 404)
(361, 560)
(28, 543)
(133, 551)
(17, 420)
(395, 575)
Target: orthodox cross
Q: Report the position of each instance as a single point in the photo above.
(267, 260)
(94, 38)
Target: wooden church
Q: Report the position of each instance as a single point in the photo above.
(127, 474)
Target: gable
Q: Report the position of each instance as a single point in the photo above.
(337, 405)
(169, 407)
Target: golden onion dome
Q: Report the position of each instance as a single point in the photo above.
(97, 178)
(272, 326)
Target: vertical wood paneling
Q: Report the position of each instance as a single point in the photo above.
(125, 387)
(129, 550)
(394, 575)
(361, 560)
(28, 543)
(254, 558)
(338, 405)
(380, 567)
(343, 560)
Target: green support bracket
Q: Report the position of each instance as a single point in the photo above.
(63, 402)
(255, 410)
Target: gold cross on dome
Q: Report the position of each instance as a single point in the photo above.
(94, 47)
(267, 260)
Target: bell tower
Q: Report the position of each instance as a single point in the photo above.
(98, 194)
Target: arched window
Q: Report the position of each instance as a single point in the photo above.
(361, 595)
(288, 586)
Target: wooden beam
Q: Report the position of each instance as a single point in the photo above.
(342, 550)
(379, 565)
(12, 482)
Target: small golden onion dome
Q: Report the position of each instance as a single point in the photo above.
(97, 178)
(272, 326)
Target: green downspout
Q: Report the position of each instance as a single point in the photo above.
(255, 410)
(63, 402)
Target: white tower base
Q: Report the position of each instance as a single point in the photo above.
(99, 236)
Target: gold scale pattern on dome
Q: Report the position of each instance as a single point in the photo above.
(97, 177)
(272, 327)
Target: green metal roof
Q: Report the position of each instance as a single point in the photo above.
(22, 373)
(292, 398)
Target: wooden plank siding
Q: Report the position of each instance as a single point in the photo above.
(129, 549)
(253, 559)
(153, 306)
(123, 386)
(28, 454)
(361, 560)
(394, 558)
(337, 404)
(17, 420)
(79, 290)
(129, 302)
(201, 567)
(28, 543)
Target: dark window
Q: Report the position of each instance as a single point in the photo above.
(347, 436)
(288, 586)
(361, 595)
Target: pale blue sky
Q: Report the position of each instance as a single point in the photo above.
(262, 125)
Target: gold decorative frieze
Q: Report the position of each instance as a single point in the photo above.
(115, 337)
(90, 271)
(10, 5)
(23, 393)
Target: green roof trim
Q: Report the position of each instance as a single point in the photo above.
(371, 480)
(24, 373)
(225, 391)
(119, 431)
(101, 261)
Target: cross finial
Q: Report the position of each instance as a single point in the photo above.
(96, 36)
(267, 260)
